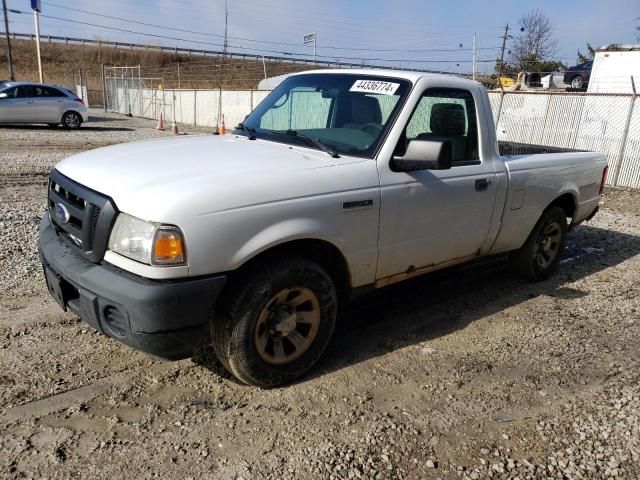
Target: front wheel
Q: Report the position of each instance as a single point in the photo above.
(275, 321)
(540, 254)
(71, 120)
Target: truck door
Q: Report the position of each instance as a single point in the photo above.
(429, 217)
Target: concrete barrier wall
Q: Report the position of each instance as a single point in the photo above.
(194, 107)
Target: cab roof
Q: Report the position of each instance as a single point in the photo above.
(412, 76)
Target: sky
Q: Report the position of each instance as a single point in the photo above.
(433, 35)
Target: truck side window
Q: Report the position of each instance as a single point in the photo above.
(445, 113)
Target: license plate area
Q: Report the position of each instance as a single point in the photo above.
(61, 290)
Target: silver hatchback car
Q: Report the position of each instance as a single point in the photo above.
(25, 102)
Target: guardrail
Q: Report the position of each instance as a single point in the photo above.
(229, 54)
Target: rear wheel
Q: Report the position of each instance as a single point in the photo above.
(275, 321)
(540, 254)
(71, 120)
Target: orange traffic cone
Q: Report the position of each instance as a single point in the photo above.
(174, 128)
(221, 129)
(160, 125)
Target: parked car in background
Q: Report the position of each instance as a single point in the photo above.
(578, 77)
(24, 102)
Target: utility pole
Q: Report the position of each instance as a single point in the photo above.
(104, 90)
(473, 63)
(224, 57)
(6, 32)
(504, 45)
(35, 6)
(226, 23)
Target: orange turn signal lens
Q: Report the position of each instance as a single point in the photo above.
(168, 246)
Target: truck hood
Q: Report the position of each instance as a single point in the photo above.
(229, 172)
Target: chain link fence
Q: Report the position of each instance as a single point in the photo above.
(603, 123)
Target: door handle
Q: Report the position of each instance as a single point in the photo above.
(482, 184)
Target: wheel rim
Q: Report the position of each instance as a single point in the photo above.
(72, 121)
(287, 325)
(548, 245)
(576, 82)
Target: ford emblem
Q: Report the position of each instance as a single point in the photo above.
(61, 213)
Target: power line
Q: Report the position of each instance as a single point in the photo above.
(253, 11)
(341, 57)
(307, 13)
(330, 47)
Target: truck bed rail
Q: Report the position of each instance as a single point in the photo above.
(514, 148)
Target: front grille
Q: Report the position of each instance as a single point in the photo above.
(83, 216)
(94, 223)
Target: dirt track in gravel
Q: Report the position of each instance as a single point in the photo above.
(467, 373)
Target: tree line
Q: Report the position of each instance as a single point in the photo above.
(533, 49)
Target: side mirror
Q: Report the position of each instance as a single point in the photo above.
(428, 154)
(3, 95)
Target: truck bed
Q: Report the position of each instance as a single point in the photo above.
(514, 148)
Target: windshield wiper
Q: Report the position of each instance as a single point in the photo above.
(250, 131)
(313, 141)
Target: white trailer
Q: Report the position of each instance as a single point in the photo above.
(614, 67)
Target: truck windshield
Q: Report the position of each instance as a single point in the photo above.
(342, 113)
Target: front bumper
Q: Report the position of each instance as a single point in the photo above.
(167, 318)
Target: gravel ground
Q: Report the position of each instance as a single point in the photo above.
(625, 200)
(468, 373)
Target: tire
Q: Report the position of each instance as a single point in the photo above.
(71, 120)
(577, 82)
(539, 256)
(258, 331)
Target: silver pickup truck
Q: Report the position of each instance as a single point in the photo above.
(337, 183)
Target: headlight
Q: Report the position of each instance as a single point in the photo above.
(147, 242)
